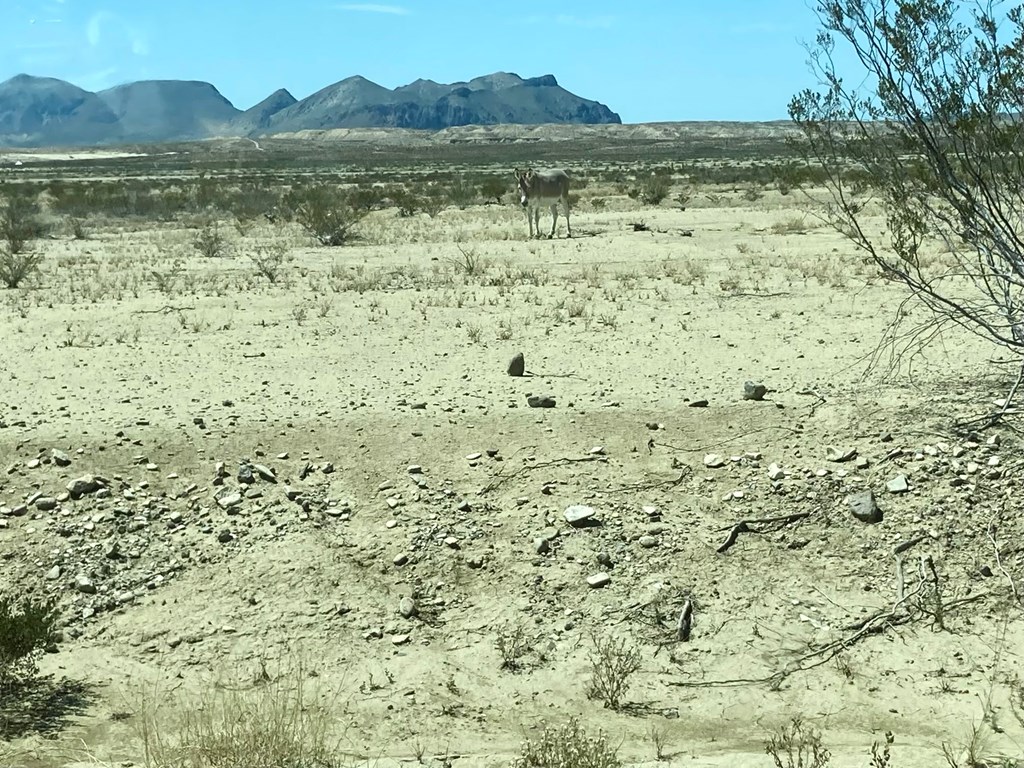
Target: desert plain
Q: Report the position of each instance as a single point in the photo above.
(320, 501)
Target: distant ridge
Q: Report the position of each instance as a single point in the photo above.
(40, 111)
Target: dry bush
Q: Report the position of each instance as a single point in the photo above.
(269, 260)
(210, 242)
(513, 644)
(567, 746)
(612, 664)
(265, 721)
(797, 745)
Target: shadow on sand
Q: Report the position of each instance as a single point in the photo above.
(42, 706)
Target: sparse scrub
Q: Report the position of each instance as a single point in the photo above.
(796, 225)
(18, 227)
(265, 721)
(210, 242)
(269, 260)
(513, 644)
(567, 746)
(493, 188)
(326, 214)
(612, 664)
(471, 264)
(652, 189)
(797, 745)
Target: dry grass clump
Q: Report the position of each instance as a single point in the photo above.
(267, 721)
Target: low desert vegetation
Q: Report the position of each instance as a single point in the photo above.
(27, 627)
(271, 717)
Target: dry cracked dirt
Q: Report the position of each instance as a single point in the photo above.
(225, 480)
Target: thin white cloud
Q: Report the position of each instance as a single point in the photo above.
(393, 10)
(98, 24)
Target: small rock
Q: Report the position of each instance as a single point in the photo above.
(578, 513)
(840, 454)
(898, 484)
(414, 469)
(225, 536)
(265, 473)
(85, 585)
(864, 507)
(60, 458)
(83, 485)
(540, 401)
(697, 404)
(541, 545)
(46, 503)
(648, 542)
(754, 390)
(230, 500)
(401, 559)
(407, 608)
(474, 457)
(603, 558)
(517, 366)
(598, 580)
(714, 461)
(775, 472)
(399, 639)
(245, 474)
(54, 573)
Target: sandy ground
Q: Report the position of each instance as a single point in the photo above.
(385, 363)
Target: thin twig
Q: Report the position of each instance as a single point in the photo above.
(501, 479)
(999, 562)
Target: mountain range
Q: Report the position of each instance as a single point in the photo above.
(42, 111)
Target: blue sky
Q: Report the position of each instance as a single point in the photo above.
(706, 60)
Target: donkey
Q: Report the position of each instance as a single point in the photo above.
(538, 189)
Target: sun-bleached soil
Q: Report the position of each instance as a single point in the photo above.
(371, 381)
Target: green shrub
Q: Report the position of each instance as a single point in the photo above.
(653, 189)
(324, 212)
(27, 627)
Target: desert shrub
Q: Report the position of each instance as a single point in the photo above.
(278, 720)
(652, 189)
(513, 644)
(567, 746)
(210, 242)
(27, 626)
(612, 664)
(366, 197)
(493, 187)
(270, 260)
(19, 224)
(324, 212)
(797, 745)
(460, 192)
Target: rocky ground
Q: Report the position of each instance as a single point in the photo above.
(337, 470)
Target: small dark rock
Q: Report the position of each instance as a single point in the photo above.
(754, 390)
(517, 366)
(864, 507)
(541, 401)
